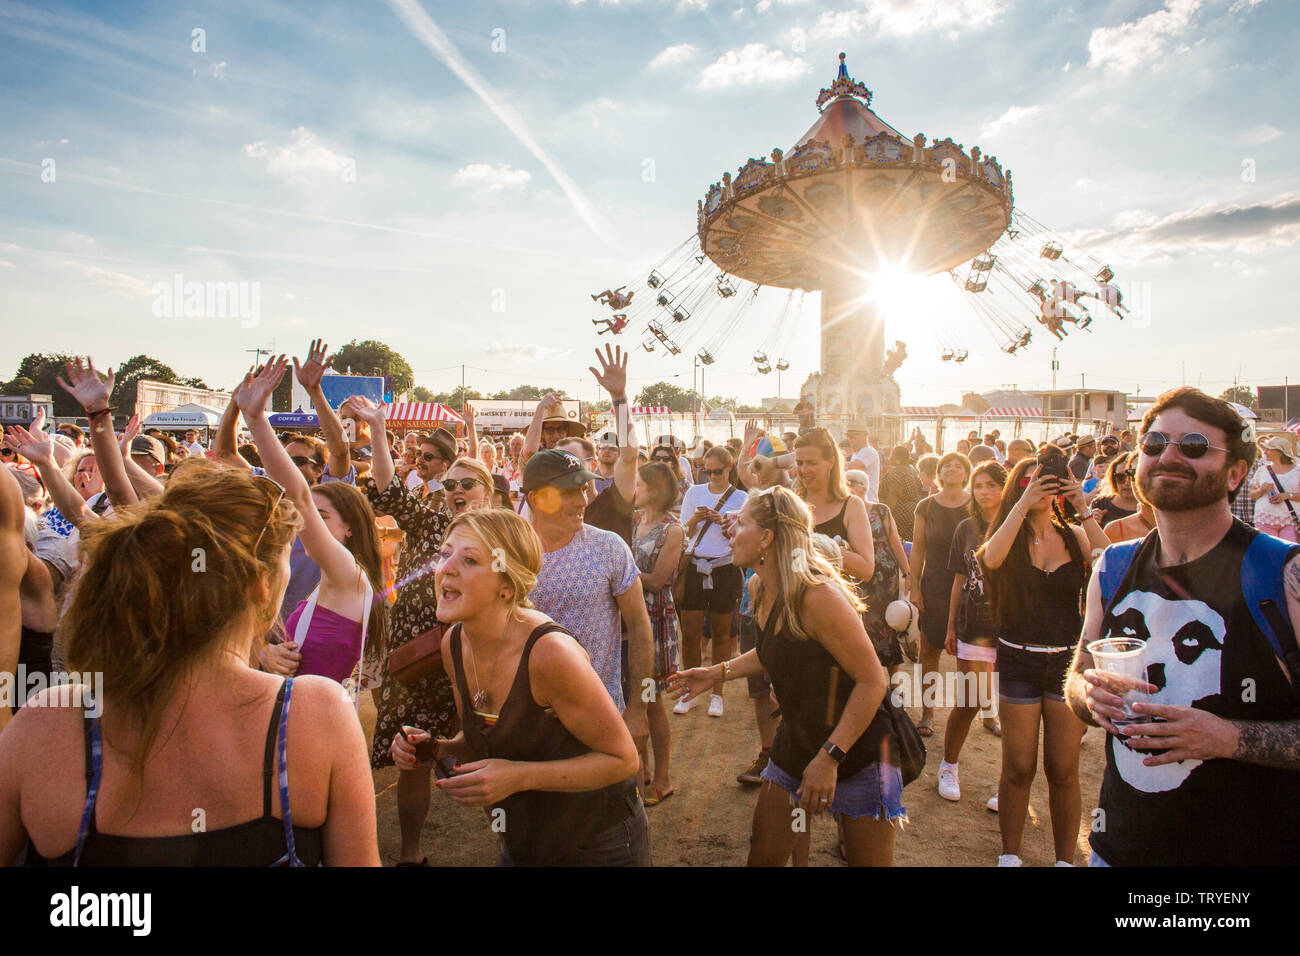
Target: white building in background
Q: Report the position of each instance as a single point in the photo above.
(1083, 407)
(22, 409)
(153, 397)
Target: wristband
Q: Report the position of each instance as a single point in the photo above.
(619, 401)
(726, 671)
(91, 416)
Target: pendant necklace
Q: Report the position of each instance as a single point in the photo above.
(480, 696)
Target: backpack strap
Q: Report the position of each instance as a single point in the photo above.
(1113, 566)
(1261, 586)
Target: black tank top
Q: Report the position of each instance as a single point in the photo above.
(940, 524)
(835, 527)
(1111, 510)
(813, 690)
(1203, 650)
(260, 842)
(542, 828)
(1046, 613)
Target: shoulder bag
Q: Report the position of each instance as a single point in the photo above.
(688, 553)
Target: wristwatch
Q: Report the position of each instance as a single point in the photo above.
(1090, 513)
(835, 753)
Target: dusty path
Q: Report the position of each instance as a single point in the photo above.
(706, 822)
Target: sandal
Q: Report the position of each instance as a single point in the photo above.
(658, 796)
(993, 726)
(925, 727)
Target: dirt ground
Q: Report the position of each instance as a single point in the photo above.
(707, 820)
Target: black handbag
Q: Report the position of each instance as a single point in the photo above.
(909, 748)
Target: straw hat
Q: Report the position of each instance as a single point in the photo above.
(904, 618)
(556, 413)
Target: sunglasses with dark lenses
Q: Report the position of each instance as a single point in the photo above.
(301, 460)
(7, 453)
(465, 483)
(430, 456)
(715, 471)
(1193, 445)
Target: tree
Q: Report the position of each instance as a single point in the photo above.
(666, 393)
(38, 372)
(718, 401)
(138, 367)
(526, 393)
(422, 394)
(374, 358)
(1242, 396)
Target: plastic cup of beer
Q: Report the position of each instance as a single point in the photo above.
(1124, 662)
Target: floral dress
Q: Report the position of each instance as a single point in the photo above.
(428, 703)
(659, 604)
(882, 589)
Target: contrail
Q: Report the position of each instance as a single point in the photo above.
(430, 34)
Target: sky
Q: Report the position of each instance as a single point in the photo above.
(457, 179)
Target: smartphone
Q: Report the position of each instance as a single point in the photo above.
(1053, 467)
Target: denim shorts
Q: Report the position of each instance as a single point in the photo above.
(1029, 677)
(760, 686)
(624, 844)
(875, 791)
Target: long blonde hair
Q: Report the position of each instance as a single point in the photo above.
(799, 563)
(837, 489)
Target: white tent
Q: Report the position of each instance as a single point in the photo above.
(187, 416)
(1243, 411)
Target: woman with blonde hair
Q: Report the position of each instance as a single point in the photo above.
(832, 749)
(541, 740)
(841, 516)
(175, 594)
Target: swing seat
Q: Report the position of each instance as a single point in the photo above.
(705, 357)
(1051, 251)
(655, 280)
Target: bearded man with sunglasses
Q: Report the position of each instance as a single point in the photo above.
(1209, 773)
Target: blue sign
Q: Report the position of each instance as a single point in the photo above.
(337, 388)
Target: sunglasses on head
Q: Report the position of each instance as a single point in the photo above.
(465, 483)
(1192, 445)
(275, 494)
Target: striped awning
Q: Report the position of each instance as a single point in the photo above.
(647, 410)
(1294, 428)
(921, 411)
(404, 414)
(1003, 412)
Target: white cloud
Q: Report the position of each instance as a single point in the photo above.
(752, 65)
(526, 352)
(673, 54)
(1208, 229)
(1084, 184)
(1127, 46)
(907, 18)
(491, 178)
(6, 264)
(1244, 5)
(1261, 134)
(116, 281)
(301, 159)
(1012, 117)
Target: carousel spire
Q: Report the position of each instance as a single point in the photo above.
(844, 85)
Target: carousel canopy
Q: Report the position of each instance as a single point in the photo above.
(417, 414)
(854, 194)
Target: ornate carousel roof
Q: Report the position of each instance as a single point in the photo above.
(853, 194)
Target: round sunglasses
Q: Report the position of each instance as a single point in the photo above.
(1192, 445)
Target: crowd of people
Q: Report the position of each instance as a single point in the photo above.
(531, 619)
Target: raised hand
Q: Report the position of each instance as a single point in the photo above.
(366, 410)
(128, 434)
(549, 399)
(310, 372)
(86, 387)
(34, 445)
(252, 394)
(613, 371)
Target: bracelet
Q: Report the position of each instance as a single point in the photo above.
(726, 671)
(619, 401)
(91, 416)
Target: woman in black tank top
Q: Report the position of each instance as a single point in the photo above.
(832, 751)
(1036, 565)
(542, 743)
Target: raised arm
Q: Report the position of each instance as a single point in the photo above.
(145, 484)
(13, 565)
(471, 443)
(83, 384)
(381, 460)
(338, 566)
(612, 377)
(309, 375)
(533, 437)
(223, 442)
(38, 448)
(999, 544)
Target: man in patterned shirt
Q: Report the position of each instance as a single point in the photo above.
(588, 580)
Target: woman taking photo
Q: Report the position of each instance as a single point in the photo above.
(1036, 566)
(657, 543)
(929, 586)
(827, 755)
(713, 582)
(182, 720)
(972, 637)
(542, 743)
(328, 630)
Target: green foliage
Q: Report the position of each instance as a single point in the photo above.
(1242, 396)
(374, 358)
(38, 372)
(422, 394)
(677, 399)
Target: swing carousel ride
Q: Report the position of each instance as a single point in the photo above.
(852, 205)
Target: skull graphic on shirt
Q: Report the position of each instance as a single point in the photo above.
(1184, 647)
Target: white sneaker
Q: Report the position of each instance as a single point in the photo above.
(1009, 859)
(949, 788)
(715, 705)
(685, 705)
(1063, 863)
(993, 803)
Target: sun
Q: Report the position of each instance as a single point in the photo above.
(898, 294)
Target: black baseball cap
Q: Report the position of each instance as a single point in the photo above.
(554, 468)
